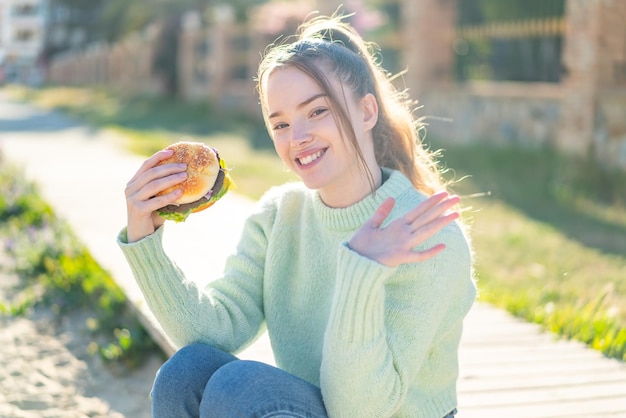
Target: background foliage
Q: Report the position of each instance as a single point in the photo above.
(58, 272)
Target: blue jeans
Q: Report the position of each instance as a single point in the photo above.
(202, 381)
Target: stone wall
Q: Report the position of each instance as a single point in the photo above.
(609, 136)
(594, 103)
(611, 45)
(584, 114)
(494, 113)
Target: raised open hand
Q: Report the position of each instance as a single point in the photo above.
(395, 243)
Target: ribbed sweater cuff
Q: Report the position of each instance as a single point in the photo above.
(157, 276)
(358, 308)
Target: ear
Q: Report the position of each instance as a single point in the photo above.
(369, 107)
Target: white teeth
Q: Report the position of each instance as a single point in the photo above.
(310, 158)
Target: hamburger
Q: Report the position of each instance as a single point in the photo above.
(207, 180)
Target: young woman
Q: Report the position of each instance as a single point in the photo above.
(361, 273)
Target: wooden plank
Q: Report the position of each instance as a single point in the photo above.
(522, 369)
(510, 368)
(523, 344)
(469, 385)
(538, 357)
(512, 338)
(542, 395)
(581, 408)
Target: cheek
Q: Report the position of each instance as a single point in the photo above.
(281, 149)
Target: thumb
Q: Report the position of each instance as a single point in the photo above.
(382, 212)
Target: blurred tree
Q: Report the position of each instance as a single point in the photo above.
(121, 17)
(165, 58)
(111, 20)
(117, 18)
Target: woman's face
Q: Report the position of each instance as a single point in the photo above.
(307, 138)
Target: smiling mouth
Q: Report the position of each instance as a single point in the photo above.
(304, 161)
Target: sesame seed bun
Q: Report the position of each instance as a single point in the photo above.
(203, 166)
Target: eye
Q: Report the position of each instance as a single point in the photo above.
(319, 111)
(279, 126)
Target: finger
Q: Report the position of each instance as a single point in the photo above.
(435, 211)
(382, 212)
(425, 232)
(159, 185)
(423, 207)
(141, 208)
(151, 162)
(158, 202)
(440, 211)
(159, 177)
(419, 256)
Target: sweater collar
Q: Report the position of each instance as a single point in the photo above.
(353, 217)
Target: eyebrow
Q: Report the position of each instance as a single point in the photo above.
(301, 105)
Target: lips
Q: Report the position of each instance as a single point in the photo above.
(309, 158)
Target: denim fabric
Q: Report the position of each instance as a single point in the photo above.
(452, 414)
(201, 381)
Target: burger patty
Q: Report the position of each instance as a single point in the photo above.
(219, 182)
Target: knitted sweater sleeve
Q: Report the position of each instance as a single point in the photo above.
(384, 322)
(227, 313)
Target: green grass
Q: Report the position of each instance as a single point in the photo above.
(57, 271)
(552, 257)
(550, 240)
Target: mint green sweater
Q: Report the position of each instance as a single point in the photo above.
(378, 341)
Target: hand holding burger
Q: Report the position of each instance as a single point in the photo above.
(207, 180)
(184, 178)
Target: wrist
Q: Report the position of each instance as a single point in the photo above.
(135, 232)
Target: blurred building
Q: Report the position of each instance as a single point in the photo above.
(70, 27)
(22, 34)
(33, 31)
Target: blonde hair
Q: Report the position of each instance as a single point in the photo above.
(335, 44)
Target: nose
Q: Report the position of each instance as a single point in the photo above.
(300, 134)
